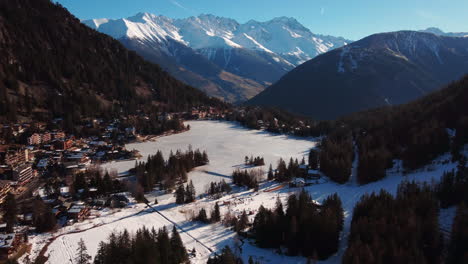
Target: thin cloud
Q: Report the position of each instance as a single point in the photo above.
(322, 11)
(176, 3)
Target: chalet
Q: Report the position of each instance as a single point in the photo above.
(34, 139)
(65, 191)
(46, 137)
(5, 188)
(78, 212)
(58, 135)
(23, 174)
(63, 144)
(117, 201)
(6, 245)
(298, 182)
(14, 157)
(42, 164)
(313, 174)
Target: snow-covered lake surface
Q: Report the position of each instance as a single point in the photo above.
(226, 144)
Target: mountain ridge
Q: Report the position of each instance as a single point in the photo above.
(381, 69)
(255, 53)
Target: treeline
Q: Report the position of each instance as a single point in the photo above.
(286, 172)
(452, 189)
(401, 229)
(202, 215)
(185, 195)
(226, 257)
(84, 181)
(458, 247)
(305, 228)
(336, 155)
(152, 125)
(254, 161)
(278, 121)
(145, 246)
(156, 170)
(216, 189)
(415, 133)
(247, 178)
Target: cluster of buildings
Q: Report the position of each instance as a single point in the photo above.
(33, 153)
(28, 151)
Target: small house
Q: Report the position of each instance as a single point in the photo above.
(313, 174)
(298, 182)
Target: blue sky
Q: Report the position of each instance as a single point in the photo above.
(352, 19)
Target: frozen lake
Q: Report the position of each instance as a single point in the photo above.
(227, 144)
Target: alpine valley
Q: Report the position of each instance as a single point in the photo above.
(207, 141)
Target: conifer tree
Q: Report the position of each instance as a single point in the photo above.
(202, 216)
(215, 214)
(82, 254)
(10, 210)
(190, 193)
(270, 175)
(180, 195)
(179, 254)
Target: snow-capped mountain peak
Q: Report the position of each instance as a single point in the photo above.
(283, 36)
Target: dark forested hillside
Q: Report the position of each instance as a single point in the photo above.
(415, 133)
(401, 229)
(51, 64)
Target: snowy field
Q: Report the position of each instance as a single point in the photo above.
(226, 144)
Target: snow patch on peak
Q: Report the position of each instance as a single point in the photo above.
(260, 46)
(99, 21)
(283, 36)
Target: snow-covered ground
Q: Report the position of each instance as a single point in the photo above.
(227, 144)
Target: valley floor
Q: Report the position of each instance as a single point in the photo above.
(226, 144)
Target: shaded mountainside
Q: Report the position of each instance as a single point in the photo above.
(51, 65)
(414, 133)
(218, 55)
(382, 69)
(192, 68)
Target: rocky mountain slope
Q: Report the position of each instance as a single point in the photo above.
(219, 55)
(382, 69)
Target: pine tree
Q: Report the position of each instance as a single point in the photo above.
(270, 173)
(10, 211)
(82, 254)
(43, 218)
(202, 216)
(190, 193)
(179, 254)
(180, 195)
(100, 255)
(243, 222)
(215, 214)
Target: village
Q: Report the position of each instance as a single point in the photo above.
(39, 160)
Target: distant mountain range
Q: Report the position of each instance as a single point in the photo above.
(382, 69)
(219, 55)
(439, 32)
